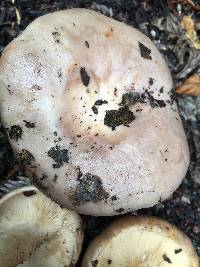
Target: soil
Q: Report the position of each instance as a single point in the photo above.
(160, 20)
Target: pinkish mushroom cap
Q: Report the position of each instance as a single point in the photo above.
(90, 110)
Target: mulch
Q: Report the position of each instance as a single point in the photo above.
(160, 20)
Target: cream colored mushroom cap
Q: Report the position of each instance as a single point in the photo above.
(90, 111)
(141, 242)
(35, 231)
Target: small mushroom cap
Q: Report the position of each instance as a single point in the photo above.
(90, 111)
(141, 241)
(35, 231)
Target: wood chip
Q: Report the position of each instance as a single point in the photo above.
(188, 25)
(190, 87)
(18, 16)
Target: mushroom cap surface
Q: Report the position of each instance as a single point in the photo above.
(35, 231)
(90, 111)
(141, 242)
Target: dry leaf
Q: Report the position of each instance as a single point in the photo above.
(188, 25)
(190, 87)
(191, 3)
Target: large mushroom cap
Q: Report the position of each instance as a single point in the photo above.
(35, 231)
(140, 242)
(89, 107)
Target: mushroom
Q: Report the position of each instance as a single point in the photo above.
(141, 242)
(35, 231)
(91, 114)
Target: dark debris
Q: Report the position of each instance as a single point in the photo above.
(122, 116)
(29, 193)
(29, 124)
(60, 156)
(15, 132)
(84, 77)
(145, 52)
(89, 189)
(167, 259)
(100, 102)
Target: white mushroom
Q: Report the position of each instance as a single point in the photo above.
(90, 111)
(35, 231)
(141, 242)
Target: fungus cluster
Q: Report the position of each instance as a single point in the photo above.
(89, 107)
